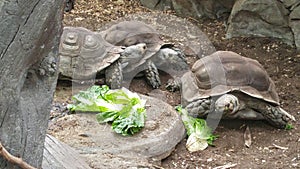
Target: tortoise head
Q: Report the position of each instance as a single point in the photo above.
(133, 54)
(227, 104)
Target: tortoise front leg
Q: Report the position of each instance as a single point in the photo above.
(205, 108)
(114, 76)
(199, 108)
(152, 75)
(226, 105)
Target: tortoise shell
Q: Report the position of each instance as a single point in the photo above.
(127, 33)
(83, 53)
(225, 71)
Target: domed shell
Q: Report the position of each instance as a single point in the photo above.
(127, 33)
(83, 53)
(225, 71)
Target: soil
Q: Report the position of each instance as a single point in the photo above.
(270, 148)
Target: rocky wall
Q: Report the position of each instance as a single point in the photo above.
(270, 18)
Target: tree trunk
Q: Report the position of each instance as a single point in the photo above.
(30, 33)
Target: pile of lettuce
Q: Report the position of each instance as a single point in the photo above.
(200, 135)
(123, 108)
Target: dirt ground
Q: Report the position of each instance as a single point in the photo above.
(271, 148)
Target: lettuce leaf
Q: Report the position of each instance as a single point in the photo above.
(200, 135)
(123, 108)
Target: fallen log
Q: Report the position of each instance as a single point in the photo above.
(58, 155)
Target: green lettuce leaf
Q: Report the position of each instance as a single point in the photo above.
(130, 123)
(132, 116)
(200, 135)
(91, 100)
(123, 108)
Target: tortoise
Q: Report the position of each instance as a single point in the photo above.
(233, 86)
(84, 54)
(159, 55)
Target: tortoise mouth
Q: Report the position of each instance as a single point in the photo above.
(227, 104)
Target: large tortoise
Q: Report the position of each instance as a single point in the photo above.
(158, 55)
(84, 54)
(234, 86)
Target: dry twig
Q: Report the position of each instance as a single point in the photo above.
(14, 160)
(247, 137)
(226, 166)
(280, 147)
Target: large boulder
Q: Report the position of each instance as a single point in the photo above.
(157, 4)
(290, 4)
(202, 8)
(295, 25)
(103, 148)
(261, 19)
(192, 8)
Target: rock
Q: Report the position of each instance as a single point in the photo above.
(295, 25)
(202, 8)
(192, 8)
(290, 3)
(260, 19)
(295, 14)
(157, 4)
(105, 149)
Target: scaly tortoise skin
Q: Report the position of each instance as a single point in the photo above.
(235, 86)
(158, 55)
(83, 54)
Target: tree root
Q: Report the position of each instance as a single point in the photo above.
(14, 160)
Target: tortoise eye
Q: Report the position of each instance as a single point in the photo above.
(130, 41)
(148, 36)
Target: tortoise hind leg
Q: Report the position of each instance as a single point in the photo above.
(276, 116)
(152, 75)
(114, 76)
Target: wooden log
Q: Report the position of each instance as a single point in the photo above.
(59, 155)
(29, 38)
